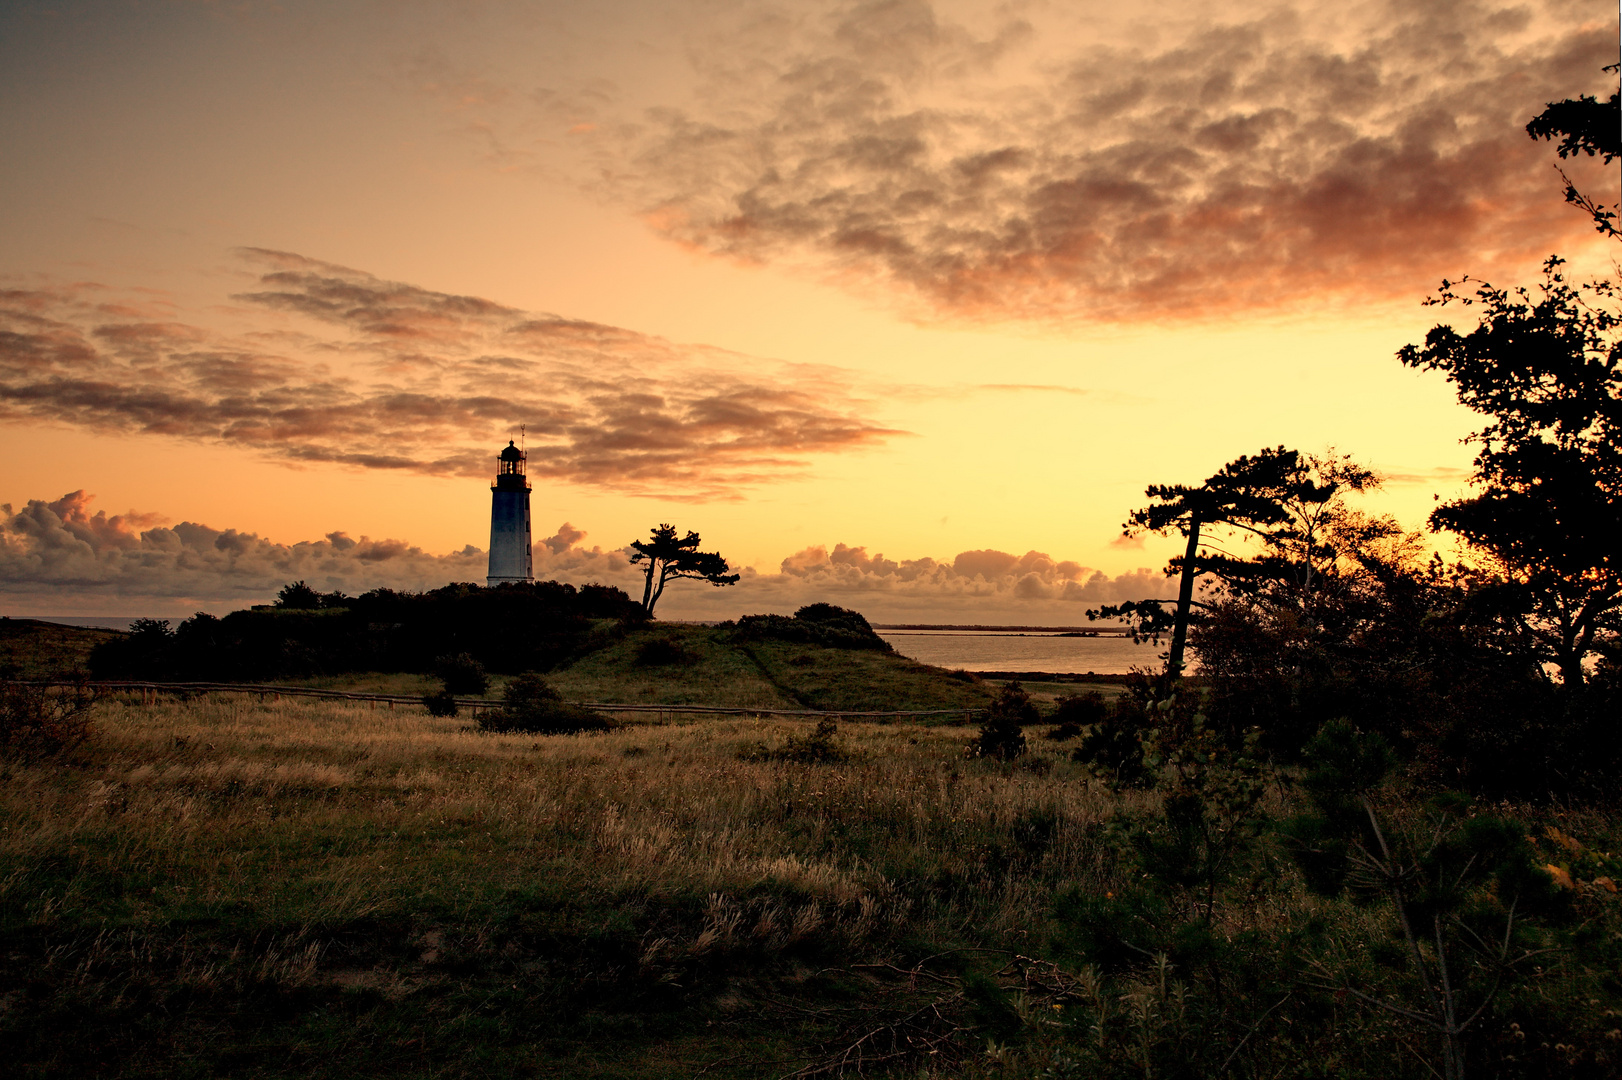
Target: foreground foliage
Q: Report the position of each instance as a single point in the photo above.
(225, 887)
(1546, 367)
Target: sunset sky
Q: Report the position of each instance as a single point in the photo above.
(901, 305)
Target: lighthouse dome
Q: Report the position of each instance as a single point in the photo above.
(512, 453)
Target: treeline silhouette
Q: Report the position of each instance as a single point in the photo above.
(511, 628)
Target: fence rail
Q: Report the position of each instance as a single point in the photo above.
(263, 690)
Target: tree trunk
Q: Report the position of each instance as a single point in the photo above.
(647, 590)
(1185, 600)
(1570, 662)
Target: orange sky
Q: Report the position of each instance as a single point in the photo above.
(916, 280)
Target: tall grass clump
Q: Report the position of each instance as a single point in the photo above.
(531, 706)
(39, 719)
(1002, 736)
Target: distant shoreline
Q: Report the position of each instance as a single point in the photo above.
(122, 622)
(976, 628)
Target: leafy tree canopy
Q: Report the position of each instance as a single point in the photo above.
(1289, 505)
(1546, 365)
(1587, 126)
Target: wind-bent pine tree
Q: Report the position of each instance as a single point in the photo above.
(669, 557)
(1287, 502)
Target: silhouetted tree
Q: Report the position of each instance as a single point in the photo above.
(1588, 126)
(1547, 367)
(298, 596)
(669, 557)
(1291, 504)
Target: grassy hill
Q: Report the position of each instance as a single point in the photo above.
(659, 663)
(679, 664)
(31, 649)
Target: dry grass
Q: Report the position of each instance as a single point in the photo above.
(223, 848)
(664, 807)
(30, 649)
(224, 886)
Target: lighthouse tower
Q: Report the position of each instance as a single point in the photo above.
(510, 558)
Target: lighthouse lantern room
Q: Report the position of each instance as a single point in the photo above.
(510, 558)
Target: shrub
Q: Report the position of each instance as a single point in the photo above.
(462, 675)
(532, 706)
(664, 652)
(37, 719)
(298, 596)
(814, 624)
(1077, 713)
(1082, 710)
(820, 747)
(1113, 745)
(441, 704)
(1001, 736)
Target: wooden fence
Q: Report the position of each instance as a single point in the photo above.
(150, 690)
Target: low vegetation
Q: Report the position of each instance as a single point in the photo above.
(30, 649)
(217, 885)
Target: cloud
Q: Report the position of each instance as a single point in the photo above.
(1245, 162)
(565, 538)
(61, 557)
(55, 555)
(1440, 474)
(337, 366)
(986, 573)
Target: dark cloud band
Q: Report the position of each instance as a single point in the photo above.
(1246, 165)
(398, 377)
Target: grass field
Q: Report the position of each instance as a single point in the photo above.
(304, 888)
(222, 886)
(30, 649)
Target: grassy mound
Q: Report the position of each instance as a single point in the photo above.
(677, 664)
(30, 649)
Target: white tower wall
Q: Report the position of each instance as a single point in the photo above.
(510, 557)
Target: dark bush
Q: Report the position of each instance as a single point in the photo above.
(819, 747)
(1081, 710)
(1001, 736)
(1429, 658)
(532, 706)
(462, 674)
(664, 652)
(298, 596)
(526, 626)
(441, 704)
(38, 719)
(1113, 745)
(815, 624)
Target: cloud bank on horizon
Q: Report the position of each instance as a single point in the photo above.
(1227, 163)
(60, 554)
(337, 366)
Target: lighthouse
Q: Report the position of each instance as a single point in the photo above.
(510, 558)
